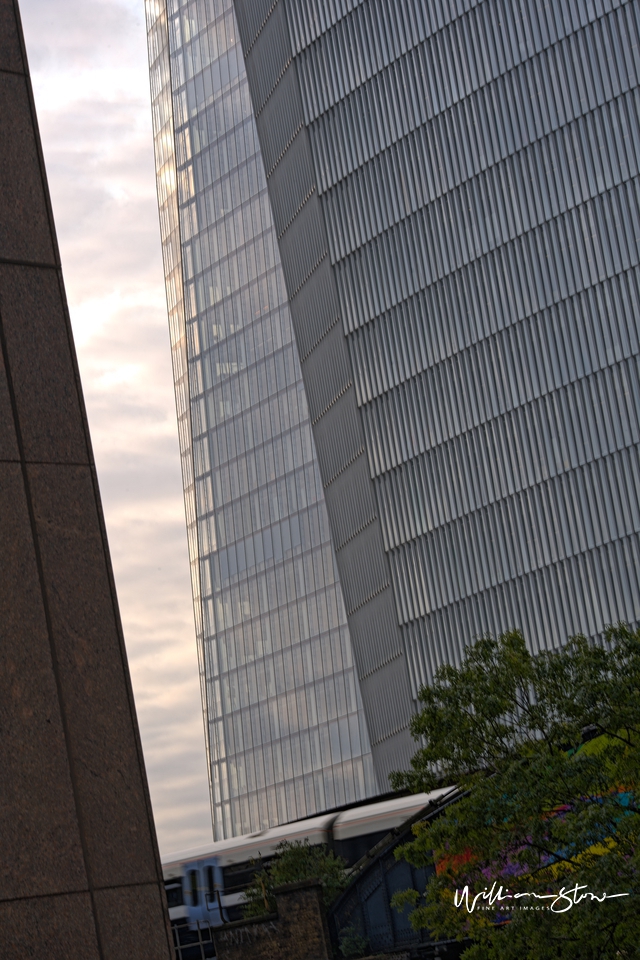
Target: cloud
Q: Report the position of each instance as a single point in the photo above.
(89, 71)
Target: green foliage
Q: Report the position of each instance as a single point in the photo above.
(352, 944)
(541, 809)
(293, 862)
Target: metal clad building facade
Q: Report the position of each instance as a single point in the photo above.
(327, 370)
(455, 188)
(286, 734)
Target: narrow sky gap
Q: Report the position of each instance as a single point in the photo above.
(88, 63)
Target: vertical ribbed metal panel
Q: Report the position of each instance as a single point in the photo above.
(304, 250)
(477, 169)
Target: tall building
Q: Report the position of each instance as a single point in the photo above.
(455, 190)
(454, 194)
(285, 729)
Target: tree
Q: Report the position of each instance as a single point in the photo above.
(545, 749)
(293, 862)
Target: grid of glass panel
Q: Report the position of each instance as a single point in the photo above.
(166, 178)
(286, 731)
(478, 165)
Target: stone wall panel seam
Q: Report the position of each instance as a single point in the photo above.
(52, 646)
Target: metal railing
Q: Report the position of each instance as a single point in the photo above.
(193, 941)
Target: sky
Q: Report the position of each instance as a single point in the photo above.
(88, 63)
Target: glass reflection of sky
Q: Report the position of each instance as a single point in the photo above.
(286, 732)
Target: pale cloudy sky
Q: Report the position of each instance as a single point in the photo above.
(89, 71)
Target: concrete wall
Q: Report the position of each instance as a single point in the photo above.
(79, 869)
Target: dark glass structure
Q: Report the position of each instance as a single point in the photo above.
(455, 190)
(285, 728)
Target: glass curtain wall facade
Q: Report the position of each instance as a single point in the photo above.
(286, 734)
(476, 164)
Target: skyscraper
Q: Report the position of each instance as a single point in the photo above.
(455, 189)
(285, 729)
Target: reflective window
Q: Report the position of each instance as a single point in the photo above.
(286, 731)
(194, 888)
